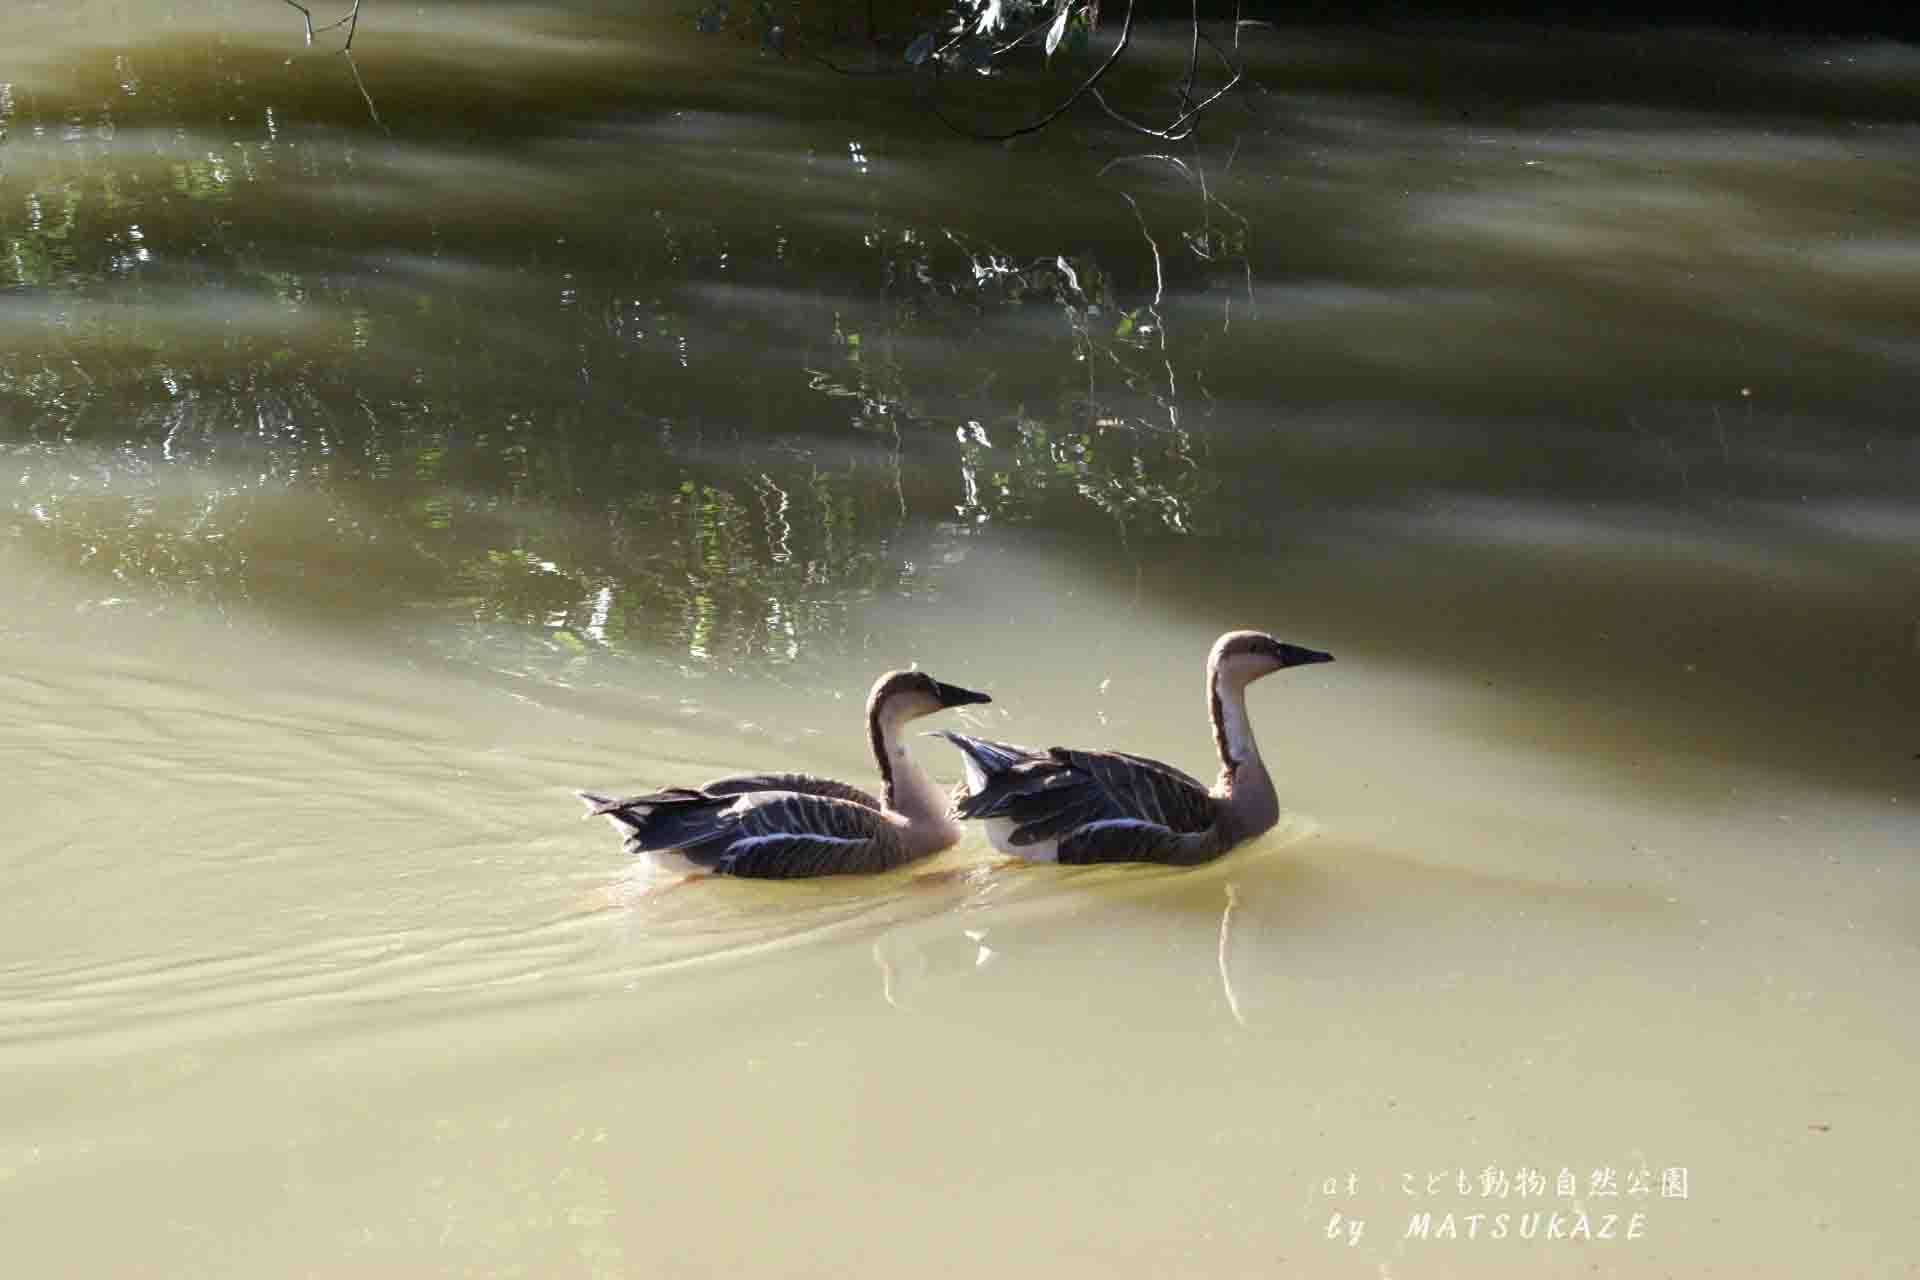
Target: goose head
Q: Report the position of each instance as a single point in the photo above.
(899, 696)
(1241, 657)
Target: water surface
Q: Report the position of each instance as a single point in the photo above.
(549, 400)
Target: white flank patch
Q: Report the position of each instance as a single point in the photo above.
(669, 862)
(1000, 836)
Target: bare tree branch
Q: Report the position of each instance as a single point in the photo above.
(1120, 46)
(1175, 132)
(1179, 129)
(1193, 59)
(361, 85)
(351, 22)
(307, 16)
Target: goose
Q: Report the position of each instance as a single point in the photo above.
(780, 826)
(1068, 806)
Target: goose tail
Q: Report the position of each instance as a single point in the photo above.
(657, 820)
(993, 757)
(987, 765)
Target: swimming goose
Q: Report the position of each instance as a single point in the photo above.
(1071, 806)
(780, 826)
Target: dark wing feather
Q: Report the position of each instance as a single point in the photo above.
(787, 835)
(669, 819)
(766, 834)
(1077, 787)
(997, 772)
(1036, 823)
(670, 795)
(804, 783)
(1062, 793)
(1147, 790)
(992, 757)
(1131, 841)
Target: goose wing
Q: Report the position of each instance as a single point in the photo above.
(1101, 806)
(804, 783)
(775, 835)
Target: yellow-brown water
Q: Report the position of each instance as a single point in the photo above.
(613, 408)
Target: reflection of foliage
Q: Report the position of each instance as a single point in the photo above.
(229, 412)
(43, 249)
(978, 38)
(708, 570)
(1106, 466)
(973, 33)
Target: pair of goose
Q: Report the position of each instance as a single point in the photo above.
(1057, 805)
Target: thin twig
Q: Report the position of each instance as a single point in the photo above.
(1193, 59)
(1159, 321)
(361, 85)
(1217, 94)
(351, 21)
(309, 18)
(1246, 248)
(1164, 135)
(1126, 34)
(1174, 132)
(1175, 161)
(1159, 280)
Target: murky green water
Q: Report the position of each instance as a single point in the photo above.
(570, 400)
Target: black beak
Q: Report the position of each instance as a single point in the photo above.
(1292, 655)
(952, 695)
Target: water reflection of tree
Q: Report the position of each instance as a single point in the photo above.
(697, 569)
(216, 405)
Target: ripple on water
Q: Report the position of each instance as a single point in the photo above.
(318, 924)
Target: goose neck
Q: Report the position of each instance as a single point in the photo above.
(1249, 804)
(1232, 730)
(905, 788)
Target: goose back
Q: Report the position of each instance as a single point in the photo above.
(1083, 807)
(766, 834)
(804, 783)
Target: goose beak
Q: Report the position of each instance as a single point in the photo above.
(1292, 655)
(954, 696)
